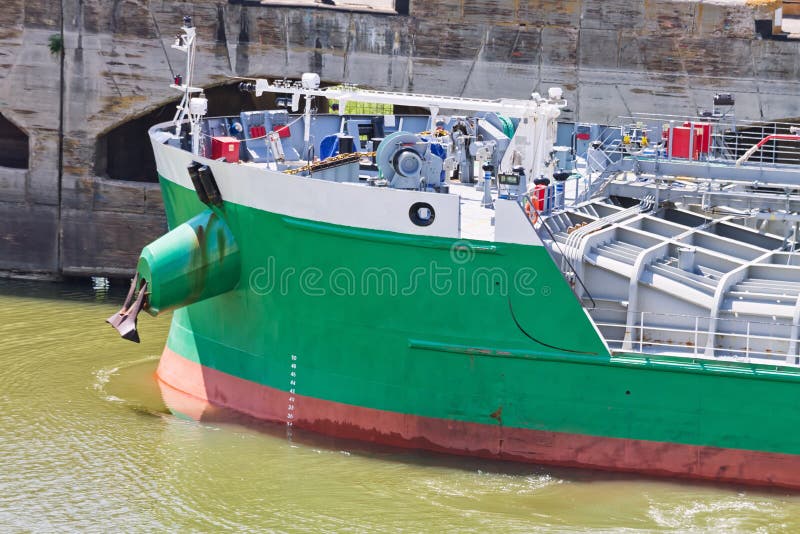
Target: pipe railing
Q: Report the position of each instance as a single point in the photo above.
(691, 339)
(729, 141)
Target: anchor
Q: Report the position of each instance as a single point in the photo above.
(124, 321)
(117, 318)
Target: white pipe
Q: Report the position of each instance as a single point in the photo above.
(307, 124)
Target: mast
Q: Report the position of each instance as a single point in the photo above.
(191, 108)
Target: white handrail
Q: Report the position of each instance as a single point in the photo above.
(748, 337)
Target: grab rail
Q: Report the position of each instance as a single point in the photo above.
(692, 345)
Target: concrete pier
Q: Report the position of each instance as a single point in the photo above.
(111, 62)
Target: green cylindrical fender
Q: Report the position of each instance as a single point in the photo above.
(197, 260)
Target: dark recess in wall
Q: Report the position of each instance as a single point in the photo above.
(125, 153)
(764, 29)
(14, 150)
(401, 6)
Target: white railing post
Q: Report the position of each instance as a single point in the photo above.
(641, 332)
(747, 344)
(696, 332)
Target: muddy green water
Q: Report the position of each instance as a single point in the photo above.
(87, 443)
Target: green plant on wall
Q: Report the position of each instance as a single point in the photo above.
(56, 43)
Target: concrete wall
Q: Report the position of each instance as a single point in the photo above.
(612, 57)
(29, 97)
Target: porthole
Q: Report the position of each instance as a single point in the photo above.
(421, 214)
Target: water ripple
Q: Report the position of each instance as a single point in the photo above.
(88, 445)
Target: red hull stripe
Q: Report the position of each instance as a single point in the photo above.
(475, 439)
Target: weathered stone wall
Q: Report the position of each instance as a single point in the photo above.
(29, 97)
(612, 57)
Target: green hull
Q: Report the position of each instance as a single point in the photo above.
(482, 339)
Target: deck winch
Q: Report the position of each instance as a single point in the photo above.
(406, 161)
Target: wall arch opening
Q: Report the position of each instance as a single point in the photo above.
(14, 145)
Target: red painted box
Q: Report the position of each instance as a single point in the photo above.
(283, 131)
(538, 197)
(705, 134)
(225, 147)
(681, 137)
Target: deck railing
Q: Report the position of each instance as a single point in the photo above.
(688, 335)
(728, 140)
